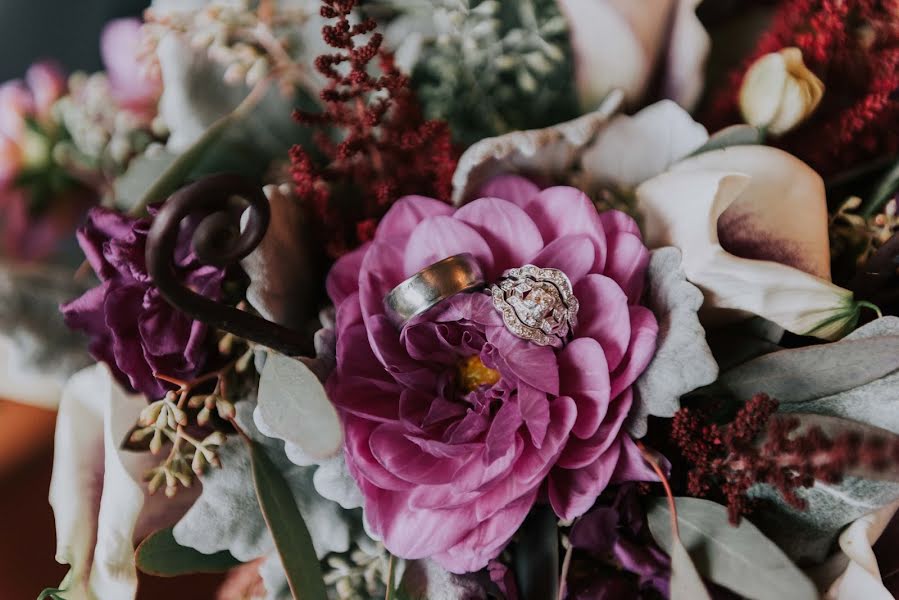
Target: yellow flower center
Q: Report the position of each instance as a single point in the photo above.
(473, 374)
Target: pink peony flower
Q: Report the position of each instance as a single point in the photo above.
(454, 426)
(133, 85)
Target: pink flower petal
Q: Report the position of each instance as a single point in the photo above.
(399, 456)
(47, 84)
(343, 278)
(534, 407)
(631, 466)
(604, 316)
(573, 255)
(563, 211)
(628, 259)
(440, 237)
(573, 492)
(514, 188)
(507, 229)
(579, 453)
(405, 215)
(642, 347)
(584, 375)
(615, 221)
(133, 87)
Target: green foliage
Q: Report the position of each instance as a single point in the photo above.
(162, 556)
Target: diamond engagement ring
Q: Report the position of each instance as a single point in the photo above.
(431, 286)
(537, 304)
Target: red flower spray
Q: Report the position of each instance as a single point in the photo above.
(853, 47)
(386, 149)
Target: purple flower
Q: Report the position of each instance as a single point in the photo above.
(616, 535)
(132, 327)
(454, 425)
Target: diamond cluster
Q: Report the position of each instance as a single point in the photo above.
(537, 304)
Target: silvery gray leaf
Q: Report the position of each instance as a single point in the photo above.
(142, 173)
(737, 343)
(739, 558)
(427, 579)
(274, 578)
(293, 406)
(808, 535)
(813, 372)
(683, 361)
(30, 318)
(227, 515)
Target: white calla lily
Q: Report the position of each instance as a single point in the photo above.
(862, 578)
(751, 223)
(622, 44)
(100, 506)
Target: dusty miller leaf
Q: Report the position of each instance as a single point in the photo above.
(683, 361)
(227, 514)
(803, 374)
(739, 558)
(426, 579)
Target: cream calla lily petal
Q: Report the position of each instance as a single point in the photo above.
(98, 501)
(862, 578)
(683, 208)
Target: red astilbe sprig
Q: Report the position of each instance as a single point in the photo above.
(853, 47)
(385, 148)
(760, 446)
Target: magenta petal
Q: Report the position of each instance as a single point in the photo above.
(486, 541)
(604, 316)
(399, 456)
(405, 215)
(584, 376)
(502, 430)
(527, 362)
(627, 262)
(573, 492)
(642, 347)
(418, 533)
(579, 453)
(574, 255)
(507, 229)
(631, 466)
(357, 433)
(440, 237)
(534, 407)
(343, 278)
(514, 188)
(615, 221)
(563, 211)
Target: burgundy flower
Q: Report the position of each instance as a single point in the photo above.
(132, 327)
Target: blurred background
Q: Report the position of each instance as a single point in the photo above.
(69, 32)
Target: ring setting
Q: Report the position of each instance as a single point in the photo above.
(537, 304)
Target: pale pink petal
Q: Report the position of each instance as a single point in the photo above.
(563, 211)
(405, 215)
(514, 188)
(132, 84)
(507, 229)
(584, 376)
(574, 255)
(440, 237)
(627, 262)
(604, 316)
(642, 347)
(47, 84)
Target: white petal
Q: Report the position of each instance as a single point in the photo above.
(22, 383)
(293, 406)
(763, 89)
(549, 152)
(630, 150)
(782, 213)
(688, 50)
(95, 493)
(615, 45)
(682, 208)
(862, 576)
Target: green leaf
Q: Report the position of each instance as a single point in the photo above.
(686, 583)
(287, 527)
(803, 374)
(735, 135)
(536, 556)
(739, 558)
(162, 556)
(886, 189)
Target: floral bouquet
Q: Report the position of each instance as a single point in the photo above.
(455, 299)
